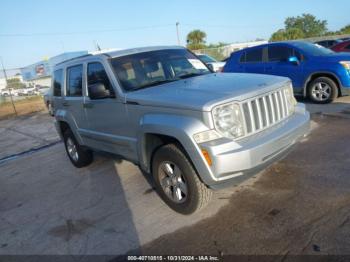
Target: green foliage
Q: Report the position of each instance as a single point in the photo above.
(289, 34)
(15, 83)
(308, 24)
(345, 30)
(196, 39)
(303, 26)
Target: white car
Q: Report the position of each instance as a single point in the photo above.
(213, 64)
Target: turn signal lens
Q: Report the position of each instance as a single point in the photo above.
(207, 156)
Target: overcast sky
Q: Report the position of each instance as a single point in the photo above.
(33, 29)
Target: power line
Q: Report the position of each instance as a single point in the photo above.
(85, 32)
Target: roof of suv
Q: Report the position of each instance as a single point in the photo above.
(123, 52)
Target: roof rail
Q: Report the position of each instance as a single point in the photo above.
(71, 59)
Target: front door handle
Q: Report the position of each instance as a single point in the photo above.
(66, 104)
(88, 105)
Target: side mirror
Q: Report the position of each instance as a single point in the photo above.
(293, 60)
(98, 91)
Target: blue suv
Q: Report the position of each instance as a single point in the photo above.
(316, 72)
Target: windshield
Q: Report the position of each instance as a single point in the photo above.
(312, 49)
(206, 59)
(153, 68)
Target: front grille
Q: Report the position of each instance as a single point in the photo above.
(264, 111)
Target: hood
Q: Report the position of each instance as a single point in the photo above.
(204, 92)
(336, 57)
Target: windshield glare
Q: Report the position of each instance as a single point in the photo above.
(152, 68)
(313, 49)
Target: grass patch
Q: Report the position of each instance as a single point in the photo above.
(24, 106)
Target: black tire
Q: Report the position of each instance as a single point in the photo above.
(84, 156)
(198, 194)
(328, 97)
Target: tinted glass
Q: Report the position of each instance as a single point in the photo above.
(153, 68)
(254, 55)
(242, 59)
(312, 49)
(279, 53)
(57, 82)
(75, 81)
(97, 74)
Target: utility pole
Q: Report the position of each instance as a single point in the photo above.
(5, 75)
(177, 33)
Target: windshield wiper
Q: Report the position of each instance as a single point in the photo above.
(191, 75)
(155, 83)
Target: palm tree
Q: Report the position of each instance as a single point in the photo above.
(196, 39)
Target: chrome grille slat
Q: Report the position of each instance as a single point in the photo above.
(252, 121)
(265, 110)
(257, 103)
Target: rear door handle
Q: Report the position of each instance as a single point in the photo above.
(66, 104)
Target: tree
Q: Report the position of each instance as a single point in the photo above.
(196, 39)
(15, 83)
(345, 30)
(303, 26)
(308, 24)
(279, 35)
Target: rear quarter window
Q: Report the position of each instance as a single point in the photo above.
(57, 82)
(254, 56)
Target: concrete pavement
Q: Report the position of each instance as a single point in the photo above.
(49, 207)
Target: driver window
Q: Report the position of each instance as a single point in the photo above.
(97, 74)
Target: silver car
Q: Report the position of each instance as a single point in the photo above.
(164, 110)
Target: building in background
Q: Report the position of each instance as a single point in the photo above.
(39, 74)
(2, 83)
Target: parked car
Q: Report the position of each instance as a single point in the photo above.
(328, 43)
(47, 97)
(213, 64)
(41, 90)
(342, 47)
(162, 109)
(316, 72)
(26, 91)
(8, 92)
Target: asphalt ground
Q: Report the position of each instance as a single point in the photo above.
(299, 205)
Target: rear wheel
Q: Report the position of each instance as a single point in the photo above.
(177, 182)
(322, 90)
(79, 156)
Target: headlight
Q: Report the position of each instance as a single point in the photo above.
(290, 98)
(345, 64)
(228, 120)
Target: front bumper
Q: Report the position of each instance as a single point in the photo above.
(235, 161)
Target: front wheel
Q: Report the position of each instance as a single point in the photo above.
(322, 90)
(177, 182)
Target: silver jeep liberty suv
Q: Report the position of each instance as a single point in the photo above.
(164, 110)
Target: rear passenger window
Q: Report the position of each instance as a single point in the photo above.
(97, 74)
(57, 82)
(242, 59)
(75, 80)
(279, 53)
(254, 56)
